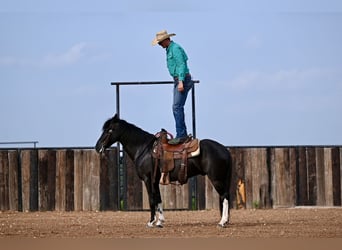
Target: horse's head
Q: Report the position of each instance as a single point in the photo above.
(111, 131)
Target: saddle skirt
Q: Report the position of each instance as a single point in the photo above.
(166, 154)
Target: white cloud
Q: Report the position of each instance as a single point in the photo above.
(71, 56)
(75, 54)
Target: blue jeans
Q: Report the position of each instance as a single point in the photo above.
(179, 99)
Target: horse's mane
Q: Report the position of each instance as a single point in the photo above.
(133, 129)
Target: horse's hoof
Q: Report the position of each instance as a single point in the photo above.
(159, 224)
(149, 225)
(223, 225)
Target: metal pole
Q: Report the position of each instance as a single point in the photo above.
(118, 100)
(193, 113)
(118, 150)
(193, 202)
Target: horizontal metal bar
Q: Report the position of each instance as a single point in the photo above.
(19, 142)
(147, 83)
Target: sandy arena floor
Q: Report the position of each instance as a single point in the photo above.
(275, 223)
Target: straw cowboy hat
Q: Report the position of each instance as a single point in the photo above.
(160, 36)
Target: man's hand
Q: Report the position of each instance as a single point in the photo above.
(180, 86)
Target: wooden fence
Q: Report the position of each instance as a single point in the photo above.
(81, 180)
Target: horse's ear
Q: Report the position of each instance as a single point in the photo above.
(115, 117)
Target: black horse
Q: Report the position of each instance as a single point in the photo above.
(214, 161)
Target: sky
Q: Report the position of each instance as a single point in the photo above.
(270, 71)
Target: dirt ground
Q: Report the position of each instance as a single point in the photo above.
(275, 223)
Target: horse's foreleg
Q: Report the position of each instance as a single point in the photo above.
(225, 213)
(151, 198)
(158, 201)
(161, 217)
(153, 218)
(155, 204)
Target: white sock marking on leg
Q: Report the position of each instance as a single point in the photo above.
(224, 218)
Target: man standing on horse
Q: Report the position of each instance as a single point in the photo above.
(176, 59)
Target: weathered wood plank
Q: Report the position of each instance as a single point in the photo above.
(196, 189)
(69, 180)
(78, 179)
(91, 181)
(25, 157)
(172, 196)
(292, 176)
(109, 184)
(248, 178)
(302, 190)
(34, 180)
(4, 185)
(86, 206)
(237, 190)
(42, 179)
(256, 168)
(263, 184)
(277, 172)
(51, 180)
(336, 176)
(47, 179)
(175, 196)
(320, 176)
(256, 178)
(311, 169)
(168, 196)
(60, 180)
(13, 180)
(95, 181)
(341, 171)
(182, 194)
(328, 172)
(283, 188)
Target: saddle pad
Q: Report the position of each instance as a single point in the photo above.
(195, 153)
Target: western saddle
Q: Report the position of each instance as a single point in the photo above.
(165, 156)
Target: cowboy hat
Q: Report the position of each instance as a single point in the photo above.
(161, 36)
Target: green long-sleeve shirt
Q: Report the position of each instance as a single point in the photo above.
(177, 61)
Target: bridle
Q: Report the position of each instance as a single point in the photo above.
(106, 140)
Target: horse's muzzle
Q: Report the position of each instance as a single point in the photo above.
(99, 148)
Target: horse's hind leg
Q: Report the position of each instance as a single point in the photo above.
(224, 202)
(224, 208)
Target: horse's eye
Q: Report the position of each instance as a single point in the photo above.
(110, 131)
